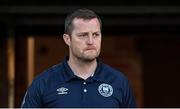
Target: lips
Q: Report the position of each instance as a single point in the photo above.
(90, 48)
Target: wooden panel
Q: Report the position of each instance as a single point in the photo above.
(3, 74)
(161, 61)
(21, 70)
(48, 51)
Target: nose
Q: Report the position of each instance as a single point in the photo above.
(90, 40)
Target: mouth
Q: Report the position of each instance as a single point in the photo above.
(90, 48)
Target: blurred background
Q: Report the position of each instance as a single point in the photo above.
(140, 37)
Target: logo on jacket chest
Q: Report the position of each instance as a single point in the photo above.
(105, 90)
(62, 91)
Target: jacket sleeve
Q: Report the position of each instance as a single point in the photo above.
(128, 99)
(33, 96)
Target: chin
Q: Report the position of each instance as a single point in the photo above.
(90, 58)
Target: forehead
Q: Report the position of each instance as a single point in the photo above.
(86, 24)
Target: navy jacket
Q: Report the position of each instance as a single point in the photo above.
(59, 87)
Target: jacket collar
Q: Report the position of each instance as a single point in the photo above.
(98, 75)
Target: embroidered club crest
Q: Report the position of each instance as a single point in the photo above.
(105, 90)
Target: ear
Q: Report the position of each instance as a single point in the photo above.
(67, 39)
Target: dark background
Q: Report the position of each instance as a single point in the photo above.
(155, 25)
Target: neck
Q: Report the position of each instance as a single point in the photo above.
(81, 68)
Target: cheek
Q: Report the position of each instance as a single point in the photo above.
(98, 43)
(76, 45)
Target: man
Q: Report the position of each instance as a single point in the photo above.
(81, 80)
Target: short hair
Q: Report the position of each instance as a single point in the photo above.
(80, 13)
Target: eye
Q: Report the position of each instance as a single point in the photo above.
(96, 34)
(82, 36)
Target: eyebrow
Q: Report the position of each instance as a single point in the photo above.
(87, 32)
(82, 33)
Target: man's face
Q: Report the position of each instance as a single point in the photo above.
(85, 40)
